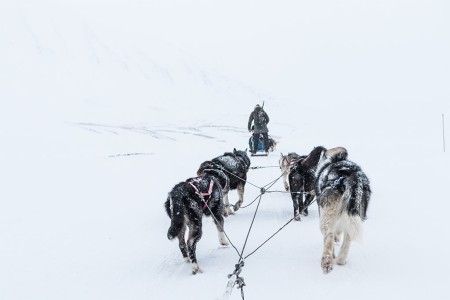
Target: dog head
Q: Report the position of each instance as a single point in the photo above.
(243, 155)
(336, 154)
(312, 160)
(331, 156)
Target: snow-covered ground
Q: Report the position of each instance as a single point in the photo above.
(106, 105)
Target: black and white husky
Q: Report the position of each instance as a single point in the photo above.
(286, 162)
(302, 180)
(343, 194)
(188, 202)
(235, 165)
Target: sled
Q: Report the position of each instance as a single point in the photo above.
(260, 150)
(259, 153)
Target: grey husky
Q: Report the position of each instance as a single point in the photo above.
(343, 193)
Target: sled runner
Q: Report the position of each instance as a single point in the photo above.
(259, 153)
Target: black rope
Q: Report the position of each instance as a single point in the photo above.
(264, 190)
(263, 167)
(270, 237)
(304, 208)
(270, 184)
(238, 267)
(285, 192)
(249, 203)
(251, 225)
(223, 169)
(239, 280)
(278, 231)
(217, 222)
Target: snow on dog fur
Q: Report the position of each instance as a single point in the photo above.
(302, 179)
(343, 194)
(235, 166)
(286, 162)
(188, 202)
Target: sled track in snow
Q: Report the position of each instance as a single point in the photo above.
(159, 132)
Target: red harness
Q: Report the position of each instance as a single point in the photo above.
(202, 195)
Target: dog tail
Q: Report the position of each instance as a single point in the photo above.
(174, 208)
(359, 195)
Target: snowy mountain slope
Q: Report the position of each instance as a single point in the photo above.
(82, 67)
(101, 117)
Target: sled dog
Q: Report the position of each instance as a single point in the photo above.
(186, 204)
(343, 194)
(235, 165)
(301, 181)
(285, 163)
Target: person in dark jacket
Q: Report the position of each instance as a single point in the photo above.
(260, 119)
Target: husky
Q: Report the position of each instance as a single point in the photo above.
(343, 193)
(285, 163)
(272, 144)
(235, 165)
(302, 179)
(188, 202)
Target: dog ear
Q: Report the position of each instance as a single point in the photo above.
(281, 153)
(234, 150)
(245, 150)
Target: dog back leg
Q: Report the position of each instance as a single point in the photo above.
(328, 220)
(306, 199)
(227, 211)
(295, 202)
(218, 220)
(182, 243)
(195, 234)
(285, 175)
(328, 248)
(337, 236)
(343, 252)
(240, 190)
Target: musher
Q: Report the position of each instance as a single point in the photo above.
(260, 119)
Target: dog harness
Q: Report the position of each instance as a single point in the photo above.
(200, 194)
(293, 163)
(336, 182)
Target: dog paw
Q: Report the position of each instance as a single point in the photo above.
(327, 264)
(223, 240)
(341, 261)
(297, 217)
(286, 187)
(305, 212)
(227, 212)
(186, 259)
(196, 269)
(236, 206)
